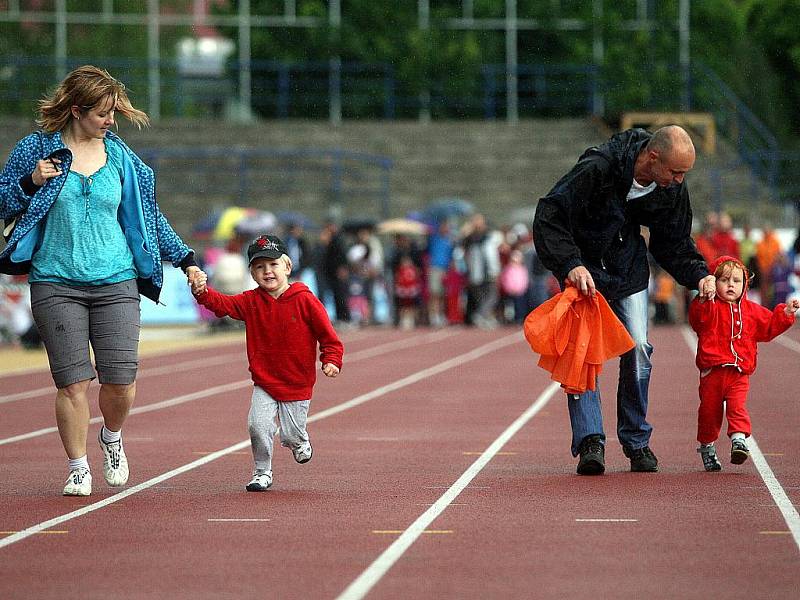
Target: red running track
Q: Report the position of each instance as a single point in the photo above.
(441, 470)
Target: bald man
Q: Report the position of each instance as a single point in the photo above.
(587, 230)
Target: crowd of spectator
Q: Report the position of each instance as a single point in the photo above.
(461, 271)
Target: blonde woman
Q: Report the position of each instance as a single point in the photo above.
(91, 238)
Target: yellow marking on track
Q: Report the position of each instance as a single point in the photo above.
(772, 453)
(774, 532)
(496, 454)
(399, 531)
(38, 532)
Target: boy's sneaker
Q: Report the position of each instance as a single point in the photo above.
(739, 451)
(592, 456)
(115, 463)
(260, 482)
(709, 456)
(79, 482)
(303, 453)
(642, 460)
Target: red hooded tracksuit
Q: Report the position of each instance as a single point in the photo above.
(282, 335)
(727, 334)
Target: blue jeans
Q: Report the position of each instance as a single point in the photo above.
(585, 415)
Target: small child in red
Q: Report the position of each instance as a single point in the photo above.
(728, 330)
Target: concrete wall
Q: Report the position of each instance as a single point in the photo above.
(502, 169)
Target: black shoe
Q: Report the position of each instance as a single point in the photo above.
(592, 453)
(642, 460)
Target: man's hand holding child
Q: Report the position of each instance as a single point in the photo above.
(330, 369)
(792, 306)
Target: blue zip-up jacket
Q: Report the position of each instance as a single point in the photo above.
(150, 237)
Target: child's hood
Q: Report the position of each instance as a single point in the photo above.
(712, 268)
(295, 289)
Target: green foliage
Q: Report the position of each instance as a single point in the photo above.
(775, 25)
(754, 45)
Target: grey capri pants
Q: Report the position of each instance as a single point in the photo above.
(69, 318)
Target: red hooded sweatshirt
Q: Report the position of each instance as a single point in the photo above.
(282, 335)
(727, 333)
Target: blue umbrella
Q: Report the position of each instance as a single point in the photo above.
(290, 217)
(442, 209)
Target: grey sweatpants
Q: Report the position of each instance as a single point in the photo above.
(262, 424)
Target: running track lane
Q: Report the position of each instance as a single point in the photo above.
(463, 352)
(522, 524)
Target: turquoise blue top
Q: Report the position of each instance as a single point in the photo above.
(83, 242)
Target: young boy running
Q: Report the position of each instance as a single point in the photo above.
(728, 330)
(283, 324)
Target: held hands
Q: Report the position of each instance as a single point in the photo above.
(580, 278)
(330, 370)
(707, 288)
(197, 280)
(47, 168)
(792, 306)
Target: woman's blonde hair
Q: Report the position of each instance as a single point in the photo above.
(86, 87)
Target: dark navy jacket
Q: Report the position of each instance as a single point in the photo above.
(586, 220)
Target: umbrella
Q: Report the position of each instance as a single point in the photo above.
(444, 208)
(290, 217)
(228, 219)
(405, 226)
(353, 225)
(260, 221)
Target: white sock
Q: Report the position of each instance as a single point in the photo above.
(711, 445)
(110, 436)
(78, 463)
(737, 436)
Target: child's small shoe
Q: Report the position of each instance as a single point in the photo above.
(261, 481)
(709, 455)
(303, 453)
(739, 451)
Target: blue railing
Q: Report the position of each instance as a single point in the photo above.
(305, 90)
(755, 143)
(338, 179)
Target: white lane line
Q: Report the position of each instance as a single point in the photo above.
(788, 343)
(176, 368)
(779, 495)
(367, 580)
(221, 389)
(456, 361)
(777, 492)
(203, 363)
(606, 520)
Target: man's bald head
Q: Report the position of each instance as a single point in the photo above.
(668, 156)
(669, 139)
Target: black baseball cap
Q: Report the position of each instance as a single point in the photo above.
(266, 246)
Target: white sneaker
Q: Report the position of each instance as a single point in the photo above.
(303, 453)
(115, 463)
(260, 482)
(79, 482)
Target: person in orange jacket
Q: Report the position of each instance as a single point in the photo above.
(728, 330)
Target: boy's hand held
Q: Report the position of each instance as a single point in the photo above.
(792, 306)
